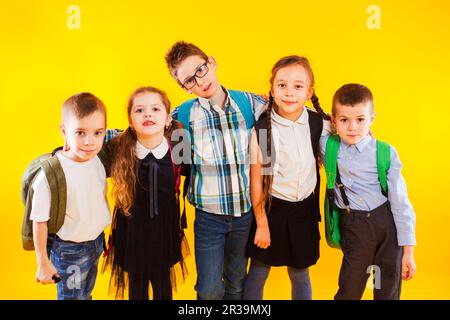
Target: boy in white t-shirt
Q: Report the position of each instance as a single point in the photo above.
(79, 243)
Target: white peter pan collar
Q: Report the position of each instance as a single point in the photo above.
(159, 152)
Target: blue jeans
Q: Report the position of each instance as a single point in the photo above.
(76, 264)
(220, 243)
(257, 276)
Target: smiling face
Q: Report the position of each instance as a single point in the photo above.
(291, 88)
(206, 85)
(148, 115)
(84, 136)
(353, 122)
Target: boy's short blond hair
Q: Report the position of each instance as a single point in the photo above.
(179, 52)
(81, 105)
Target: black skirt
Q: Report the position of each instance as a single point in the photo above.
(294, 235)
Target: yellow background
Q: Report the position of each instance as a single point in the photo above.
(121, 46)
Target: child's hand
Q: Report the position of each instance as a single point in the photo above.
(45, 272)
(408, 263)
(262, 237)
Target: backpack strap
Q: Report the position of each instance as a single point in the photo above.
(184, 116)
(331, 155)
(342, 191)
(332, 171)
(175, 171)
(245, 106)
(315, 127)
(184, 113)
(242, 101)
(58, 190)
(177, 181)
(383, 164)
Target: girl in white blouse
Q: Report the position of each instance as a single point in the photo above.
(284, 181)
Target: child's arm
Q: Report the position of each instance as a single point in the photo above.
(262, 236)
(45, 270)
(111, 134)
(403, 213)
(40, 214)
(259, 104)
(327, 130)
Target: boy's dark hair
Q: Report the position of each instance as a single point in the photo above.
(179, 52)
(82, 105)
(351, 94)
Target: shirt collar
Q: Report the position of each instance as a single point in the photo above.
(205, 103)
(159, 152)
(361, 145)
(286, 122)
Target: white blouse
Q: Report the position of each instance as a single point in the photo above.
(295, 167)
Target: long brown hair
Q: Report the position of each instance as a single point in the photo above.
(123, 148)
(282, 63)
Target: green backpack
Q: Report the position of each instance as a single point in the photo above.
(54, 173)
(332, 212)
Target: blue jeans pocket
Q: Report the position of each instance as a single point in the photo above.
(77, 265)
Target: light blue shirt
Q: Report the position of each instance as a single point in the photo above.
(357, 166)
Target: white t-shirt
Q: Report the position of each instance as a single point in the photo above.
(295, 167)
(87, 210)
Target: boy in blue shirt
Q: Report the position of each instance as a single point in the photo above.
(219, 124)
(376, 230)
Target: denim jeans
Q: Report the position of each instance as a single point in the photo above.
(220, 243)
(76, 264)
(257, 276)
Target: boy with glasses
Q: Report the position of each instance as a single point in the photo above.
(218, 122)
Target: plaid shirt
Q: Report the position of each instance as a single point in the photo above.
(220, 172)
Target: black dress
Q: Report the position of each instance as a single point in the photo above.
(149, 245)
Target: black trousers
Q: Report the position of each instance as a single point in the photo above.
(369, 238)
(160, 281)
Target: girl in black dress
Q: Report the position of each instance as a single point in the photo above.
(147, 244)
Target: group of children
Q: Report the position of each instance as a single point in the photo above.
(252, 171)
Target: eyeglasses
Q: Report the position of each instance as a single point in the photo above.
(199, 73)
